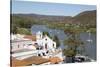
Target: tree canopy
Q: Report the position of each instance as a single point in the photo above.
(56, 39)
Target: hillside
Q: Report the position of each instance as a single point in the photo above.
(42, 18)
(27, 20)
(84, 18)
(87, 17)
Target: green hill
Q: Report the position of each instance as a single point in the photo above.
(86, 18)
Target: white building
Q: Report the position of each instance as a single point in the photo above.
(18, 42)
(45, 43)
(44, 47)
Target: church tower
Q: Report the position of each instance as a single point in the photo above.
(39, 35)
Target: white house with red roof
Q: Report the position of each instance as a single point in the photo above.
(45, 43)
(25, 46)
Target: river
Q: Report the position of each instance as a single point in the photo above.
(90, 46)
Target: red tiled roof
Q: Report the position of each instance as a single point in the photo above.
(31, 60)
(31, 37)
(54, 60)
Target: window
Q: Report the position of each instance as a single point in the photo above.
(18, 46)
(11, 52)
(47, 52)
(41, 47)
(46, 39)
(36, 43)
(46, 46)
(53, 45)
(43, 54)
(37, 48)
(40, 35)
(39, 54)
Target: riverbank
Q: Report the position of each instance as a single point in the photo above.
(88, 47)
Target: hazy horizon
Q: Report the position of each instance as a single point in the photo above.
(53, 9)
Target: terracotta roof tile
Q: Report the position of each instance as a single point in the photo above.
(31, 60)
(54, 60)
(32, 37)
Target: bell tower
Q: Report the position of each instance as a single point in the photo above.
(39, 35)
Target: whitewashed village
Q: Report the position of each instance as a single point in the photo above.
(38, 49)
(34, 50)
(50, 35)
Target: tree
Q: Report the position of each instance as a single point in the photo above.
(69, 52)
(73, 43)
(46, 33)
(23, 31)
(13, 29)
(56, 39)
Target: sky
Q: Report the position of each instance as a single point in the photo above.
(58, 9)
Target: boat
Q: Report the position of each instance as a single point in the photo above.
(82, 58)
(89, 40)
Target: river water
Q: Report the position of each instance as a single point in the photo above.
(89, 47)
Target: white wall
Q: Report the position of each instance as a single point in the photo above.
(49, 42)
(21, 45)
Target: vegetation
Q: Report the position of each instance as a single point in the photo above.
(46, 33)
(69, 53)
(23, 31)
(20, 25)
(56, 39)
(82, 22)
(72, 26)
(72, 42)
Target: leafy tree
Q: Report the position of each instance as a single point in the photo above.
(23, 31)
(46, 33)
(13, 29)
(69, 52)
(56, 39)
(73, 42)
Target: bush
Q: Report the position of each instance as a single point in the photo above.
(23, 31)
